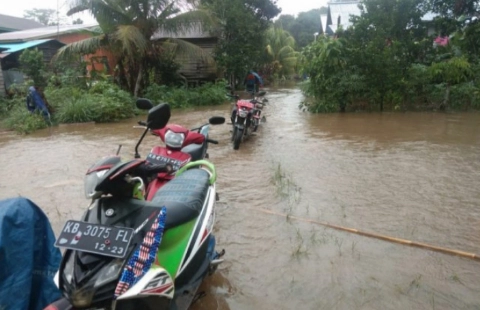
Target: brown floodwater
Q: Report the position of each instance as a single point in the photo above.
(414, 176)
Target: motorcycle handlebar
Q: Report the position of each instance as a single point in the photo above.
(142, 123)
(212, 141)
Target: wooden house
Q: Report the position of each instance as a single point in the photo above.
(9, 59)
(48, 39)
(195, 69)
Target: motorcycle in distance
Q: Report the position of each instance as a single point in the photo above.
(130, 253)
(181, 146)
(246, 117)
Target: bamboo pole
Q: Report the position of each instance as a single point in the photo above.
(373, 235)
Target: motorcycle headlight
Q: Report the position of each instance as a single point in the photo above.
(242, 113)
(174, 140)
(109, 273)
(83, 297)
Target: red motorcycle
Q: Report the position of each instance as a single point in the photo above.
(182, 146)
(246, 117)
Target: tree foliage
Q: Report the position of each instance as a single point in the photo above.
(47, 17)
(454, 8)
(388, 59)
(303, 27)
(128, 28)
(280, 53)
(32, 64)
(241, 32)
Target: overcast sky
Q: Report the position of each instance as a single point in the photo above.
(17, 7)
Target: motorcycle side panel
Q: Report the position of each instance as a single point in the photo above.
(156, 281)
(174, 244)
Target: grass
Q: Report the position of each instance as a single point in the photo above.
(286, 188)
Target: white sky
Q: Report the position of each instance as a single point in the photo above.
(17, 7)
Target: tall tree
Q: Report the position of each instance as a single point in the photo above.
(78, 21)
(383, 41)
(304, 26)
(454, 8)
(128, 27)
(281, 54)
(47, 17)
(243, 24)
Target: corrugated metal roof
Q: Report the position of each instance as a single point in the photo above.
(12, 23)
(344, 10)
(15, 47)
(44, 32)
(194, 32)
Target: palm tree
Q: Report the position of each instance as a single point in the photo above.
(281, 52)
(127, 30)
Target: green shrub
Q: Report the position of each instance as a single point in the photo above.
(22, 121)
(76, 110)
(103, 102)
(207, 94)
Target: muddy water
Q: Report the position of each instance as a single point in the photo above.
(414, 176)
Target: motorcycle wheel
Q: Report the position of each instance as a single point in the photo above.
(234, 131)
(237, 139)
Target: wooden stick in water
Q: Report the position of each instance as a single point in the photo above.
(377, 236)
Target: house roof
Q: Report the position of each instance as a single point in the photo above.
(12, 23)
(323, 23)
(343, 9)
(186, 33)
(7, 49)
(15, 47)
(43, 32)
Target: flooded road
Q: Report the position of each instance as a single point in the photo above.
(414, 176)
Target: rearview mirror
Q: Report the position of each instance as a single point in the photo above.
(158, 116)
(216, 120)
(144, 104)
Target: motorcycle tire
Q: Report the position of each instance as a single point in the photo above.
(234, 131)
(237, 139)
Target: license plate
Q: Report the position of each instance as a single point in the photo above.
(159, 159)
(94, 238)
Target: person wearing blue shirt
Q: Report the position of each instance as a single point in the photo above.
(35, 102)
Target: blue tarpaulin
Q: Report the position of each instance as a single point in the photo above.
(15, 47)
(28, 259)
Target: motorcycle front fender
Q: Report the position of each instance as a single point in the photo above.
(239, 126)
(61, 304)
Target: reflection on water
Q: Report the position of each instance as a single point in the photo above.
(407, 175)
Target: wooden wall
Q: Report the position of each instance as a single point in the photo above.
(2, 83)
(198, 70)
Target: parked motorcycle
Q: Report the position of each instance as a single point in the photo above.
(181, 146)
(246, 117)
(127, 252)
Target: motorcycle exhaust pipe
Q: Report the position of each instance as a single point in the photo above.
(216, 262)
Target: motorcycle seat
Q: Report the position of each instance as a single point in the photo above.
(183, 196)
